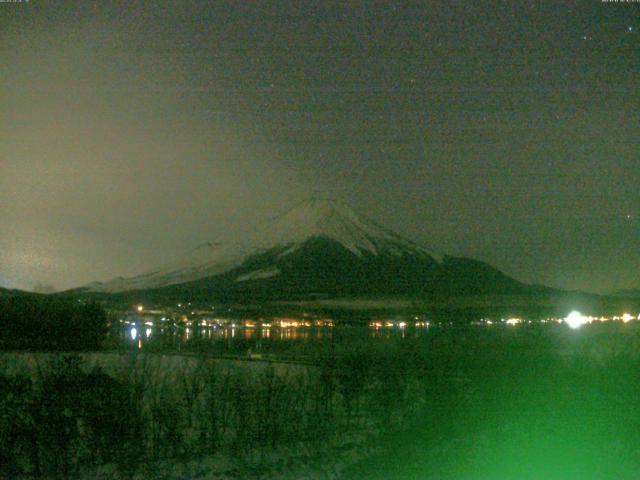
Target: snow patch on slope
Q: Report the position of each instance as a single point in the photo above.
(203, 261)
(259, 274)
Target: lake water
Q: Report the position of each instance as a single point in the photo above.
(258, 340)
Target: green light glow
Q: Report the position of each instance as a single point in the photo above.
(575, 319)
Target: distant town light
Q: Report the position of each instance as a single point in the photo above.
(627, 317)
(134, 333)
(139, 308)
(575, 319)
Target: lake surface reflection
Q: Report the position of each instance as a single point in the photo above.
(254, 340)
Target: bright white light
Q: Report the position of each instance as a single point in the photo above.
(140, 308)
(134, 333)
(147, 332)
(627, 317)
(575, 319)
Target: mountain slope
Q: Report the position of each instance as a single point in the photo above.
(322, 267)
(627, 293)
(320, 247)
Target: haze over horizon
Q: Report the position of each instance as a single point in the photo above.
(505, 133)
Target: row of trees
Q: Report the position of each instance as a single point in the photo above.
(40, 322)
(64, 418)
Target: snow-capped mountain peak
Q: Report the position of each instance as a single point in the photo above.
(337, 221)
(329, 219)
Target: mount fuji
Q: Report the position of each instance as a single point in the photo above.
(320, 247)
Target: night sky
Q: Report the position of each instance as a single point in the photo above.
(504, 131)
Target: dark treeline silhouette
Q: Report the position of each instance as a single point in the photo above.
(40, 322)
